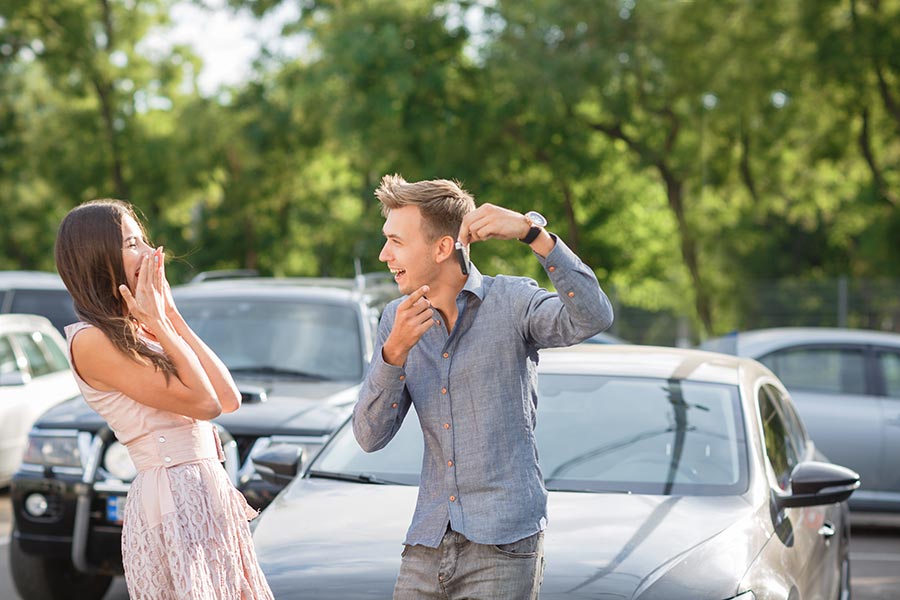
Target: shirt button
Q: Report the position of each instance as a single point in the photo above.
(162, 439)
(443, 390)
(446, 355)
(168, 459)
(551, 269)
(402, 377)
(571, 294)
(449, 463)
(446, 425)
(452, 498)
(394, 405)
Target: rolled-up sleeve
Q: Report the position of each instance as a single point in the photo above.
(383, 398)
(577, 311)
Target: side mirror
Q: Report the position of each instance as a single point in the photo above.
(14, 378)
(279, 464)
(251, 394)
(815, 483)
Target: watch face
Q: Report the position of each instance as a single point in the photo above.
(536, 218)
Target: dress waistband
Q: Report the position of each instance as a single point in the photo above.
(176, 446)
(156, 452)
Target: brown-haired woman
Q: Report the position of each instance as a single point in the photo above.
(185, 532)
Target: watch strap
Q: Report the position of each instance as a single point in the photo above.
(531, 235)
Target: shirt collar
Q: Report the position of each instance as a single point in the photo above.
(475, 282)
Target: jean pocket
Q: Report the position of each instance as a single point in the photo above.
(524, 548)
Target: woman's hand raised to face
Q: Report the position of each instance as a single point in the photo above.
(148, 302)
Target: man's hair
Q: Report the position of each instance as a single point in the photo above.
(443, 203)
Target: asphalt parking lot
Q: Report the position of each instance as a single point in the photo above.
(875, 559)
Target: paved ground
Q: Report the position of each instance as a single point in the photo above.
(875, 559)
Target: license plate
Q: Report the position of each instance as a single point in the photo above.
(115, 509)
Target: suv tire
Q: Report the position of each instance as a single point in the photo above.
(38, 578)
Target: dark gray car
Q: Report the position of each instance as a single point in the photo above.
(846, 385)
(673, 474)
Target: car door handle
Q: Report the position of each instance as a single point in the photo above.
(826, 530)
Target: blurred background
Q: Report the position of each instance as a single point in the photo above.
(722, 165)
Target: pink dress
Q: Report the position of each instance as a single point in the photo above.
(185, 533)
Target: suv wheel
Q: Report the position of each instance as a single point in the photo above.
(38, 578)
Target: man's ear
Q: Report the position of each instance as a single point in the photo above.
(444, 249)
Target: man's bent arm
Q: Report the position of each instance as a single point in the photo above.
(579, 310)
(383, 398)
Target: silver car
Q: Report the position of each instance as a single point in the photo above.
(34, 376)
(673, 474)
(846, 385)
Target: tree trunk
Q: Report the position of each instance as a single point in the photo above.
(675, 197)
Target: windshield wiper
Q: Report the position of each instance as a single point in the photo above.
(552, 488)
(357, 477)
(267, 370)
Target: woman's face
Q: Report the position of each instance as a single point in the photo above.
(133, 249)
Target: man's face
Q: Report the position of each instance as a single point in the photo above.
(408, 255)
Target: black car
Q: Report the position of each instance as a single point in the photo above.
(298, 349)
(36, 293)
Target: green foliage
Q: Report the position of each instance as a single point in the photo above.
(683, 149)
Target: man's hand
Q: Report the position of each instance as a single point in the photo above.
(414, 317)
(489, 221)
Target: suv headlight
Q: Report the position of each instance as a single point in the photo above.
(118, 463)
(53, 449)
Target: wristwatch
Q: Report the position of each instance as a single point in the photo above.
(537, 222)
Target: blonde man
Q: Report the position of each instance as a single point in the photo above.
(462, 348)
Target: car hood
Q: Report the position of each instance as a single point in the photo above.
(291, 408)
(344, 541)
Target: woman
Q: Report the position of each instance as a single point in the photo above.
(185, 532)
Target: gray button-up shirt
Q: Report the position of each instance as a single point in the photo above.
(475, 392)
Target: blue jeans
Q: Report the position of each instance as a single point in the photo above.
(459, 569)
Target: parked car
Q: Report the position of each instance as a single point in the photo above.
(846, 385)
(36, 293)
(297, 348)
(673, 474)
(34, 376)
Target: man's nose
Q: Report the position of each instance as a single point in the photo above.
(383, 255)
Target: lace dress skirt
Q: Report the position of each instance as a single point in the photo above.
(201, 550)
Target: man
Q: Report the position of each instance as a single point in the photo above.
(464, 349)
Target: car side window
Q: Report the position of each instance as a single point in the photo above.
(889, 363)
(37, 361)
(834, 370)
(779, 445)
(791, 418)
(55, 355)
(8, 362)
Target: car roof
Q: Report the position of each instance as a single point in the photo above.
(336, 290)
(647, 361)
(30, 280)
(21, 322)
(760, 342)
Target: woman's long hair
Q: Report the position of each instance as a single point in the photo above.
(89, 259)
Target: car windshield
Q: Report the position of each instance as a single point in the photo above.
(600, 434)
(280, 339)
